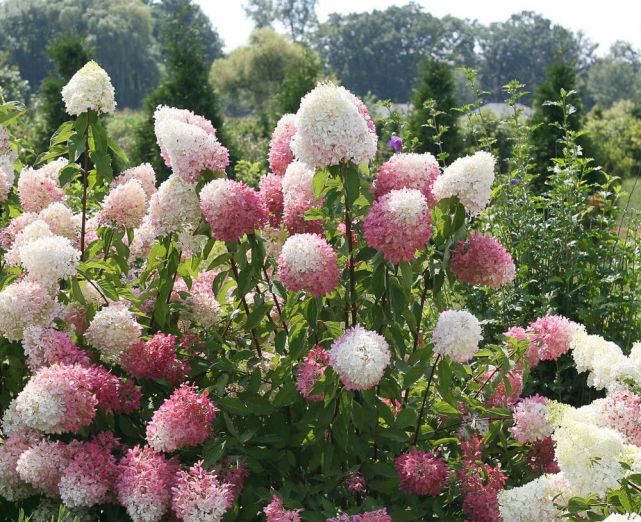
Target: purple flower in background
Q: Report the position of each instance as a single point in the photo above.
(395, 142)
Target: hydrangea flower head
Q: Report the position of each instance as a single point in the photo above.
(481, 260)
(310, 370)
(199, 496)
(422, 472)
(89, 89)
(112, 330)
(457, 334)
(411, 171)
(125, 205)
(280, 152)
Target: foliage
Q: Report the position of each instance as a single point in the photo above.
(12, 86)
(616, 137)
(297, 16)
(184, 85)
(122, 126)
(267, 77)
(434, 89)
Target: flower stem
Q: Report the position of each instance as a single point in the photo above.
(425, 394)
(85, 187)
(352, 279)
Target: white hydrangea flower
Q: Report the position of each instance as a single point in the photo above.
(298, 180)
(49, 259)
(359, 357)
(174, 206)
(407, 207)
(535, 501)
(627, 517)
(89, 89)
(330, 128)
(301, 254)
(589, 455)
(470, 179)
(457, 334)
(603, 359)
(26, 303)
(33, 231)
(144, 237)
(61, 220)
(113, 330)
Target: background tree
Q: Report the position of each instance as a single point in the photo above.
(68, 53)
(435, 83)
(12, 86)
(297, 16)
(379, 51)
(184, 85)
(267, 77)
(523, 47)
(547, 118)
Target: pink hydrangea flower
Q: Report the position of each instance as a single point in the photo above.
(144, 482)
(144, 174)
(276, 512)
(155, 358)
(422, 472)
(232, 209)
(42, 465)
(184, 419)
(58, 399)
(481, 260)
(280, 152)
(398, 224)
(530, 423)
(380, 515)
(62, 221)
(12, 487)
(199, 304)
(622, 411)
(47, 346)
(38, 188)
(188, 143)
(307, 262)
(271, 190)
(480, 483)
(199, 495)
(552, 335)
(310, 370)
(412, 171)
(111, 393)
(125, 205)
(234, 472)
(89, 478)
(520, 334)
(16, 225)
(294, 210)
(502, 397)
(355, 482)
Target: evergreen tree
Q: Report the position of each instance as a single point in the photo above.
(68, 53)
(434, 90)
(548, 117)
(185, 84)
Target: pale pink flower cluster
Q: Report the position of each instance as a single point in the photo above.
(310, 370)
(174, 207)
(331, 128)
(379, 515)
(307, 262)
(61, 221)
(9, 233)
(47, 346)
(398, 224)
(422, 473)
(530, 422)
(144, 482)
(155, 358)
(199, 302)
(482, 260)
(113, 329)
(12, 487)
(234, 472)
(275, 512)
(188, 143)
(125, 205)
(271, 190)
(622, 411)
(411, 171)
(38, 188)
(48, 259)
(232, 209)
(552, 335)
(143, 173)
(518, 333)
(199, 496)
(294, 209)
(280, 152)
(359, 357)
(26, 303)
(42, 465)
(7, 159)
(89, 479)
(184, 419)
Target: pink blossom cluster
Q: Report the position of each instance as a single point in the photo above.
(271, 190)
(307, 262)
(199, 302)
(276, 512)
(125, 205)
(530, 422)
(481, 260)
(188, 143)
(144, 483)
(143, 174)
(380, 515)
(12, 487)
(552, 335)
(355, 482)
(520, 334)
(280, 152)
(38, 188)
(199, 495)
(310, 370)
(411, 171)
(112, 394)
(480, 483)
(422, 472)
(622, 411)
(234, 472)
(504, 396)
(294, 209)
(26, 303)
(232, 209)
(398, 224)
(48, 346)
(42, 465)
(155, 358)
(184, 419)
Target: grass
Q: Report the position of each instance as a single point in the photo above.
(632, 197)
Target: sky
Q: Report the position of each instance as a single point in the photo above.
(602, 22)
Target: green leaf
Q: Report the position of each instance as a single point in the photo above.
(68, 173)
(102, 160)
(352, 183)
(256, 315)
(319, 182)
(287, 395)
